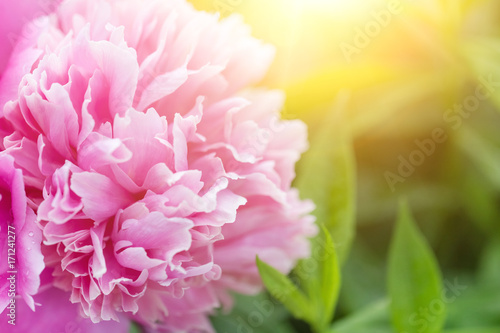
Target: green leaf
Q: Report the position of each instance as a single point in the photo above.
(414, 280)
(285, 291)
(256, 313)
(327, 176)
(329, 279)
(320, 277)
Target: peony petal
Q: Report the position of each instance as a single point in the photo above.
(100, 196)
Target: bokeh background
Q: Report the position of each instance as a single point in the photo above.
(411, 89)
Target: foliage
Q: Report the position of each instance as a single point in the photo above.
(377, 114)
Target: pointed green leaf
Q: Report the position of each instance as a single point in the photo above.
(327, 176)
(320, 277)
(285, 291)
(414, 280)
(329, 276)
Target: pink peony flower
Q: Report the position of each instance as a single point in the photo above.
(157, 177)
(13, 16)
(57, 314)
(20, 238)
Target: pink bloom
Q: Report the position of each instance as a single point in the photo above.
(157, 177)
(56, 314)
(13, 16)
(20, 238)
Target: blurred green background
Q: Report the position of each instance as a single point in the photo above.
(402, 99)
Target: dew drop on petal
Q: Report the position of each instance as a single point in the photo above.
(31, 233)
